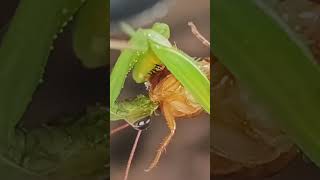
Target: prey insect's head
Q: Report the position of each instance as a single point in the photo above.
(142, 124)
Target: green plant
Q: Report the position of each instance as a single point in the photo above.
(50, 152)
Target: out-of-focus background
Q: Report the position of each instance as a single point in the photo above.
(67, 87)
(303, 17)
(188, 155)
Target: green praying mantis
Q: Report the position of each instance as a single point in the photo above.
(149, 48)
(149, 52)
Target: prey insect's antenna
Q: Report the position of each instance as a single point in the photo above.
(115, 130)
(198, 35)
(132, 154)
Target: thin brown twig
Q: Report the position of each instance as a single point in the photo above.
(132, 154)
(198, 35)
(115, 130)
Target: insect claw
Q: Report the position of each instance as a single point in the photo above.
(165, 150)
(147, 170)
(150, 167)
(175, 45)
(156, 113)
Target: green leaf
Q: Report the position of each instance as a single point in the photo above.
(23, 55)
(24, 52)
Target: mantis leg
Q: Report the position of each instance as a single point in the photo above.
(166, 108)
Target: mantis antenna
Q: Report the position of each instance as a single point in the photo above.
(134, 147)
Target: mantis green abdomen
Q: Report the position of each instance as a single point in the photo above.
(147, 66)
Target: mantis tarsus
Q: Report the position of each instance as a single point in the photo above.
(149, 54)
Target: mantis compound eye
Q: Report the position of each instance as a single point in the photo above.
(142, 124)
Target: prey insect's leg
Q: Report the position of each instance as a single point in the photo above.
(166, 108)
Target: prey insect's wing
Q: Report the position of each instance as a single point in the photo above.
(184, 68)
(125, 62)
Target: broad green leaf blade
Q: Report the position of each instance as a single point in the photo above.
(265, 56)
(23, 55)
(125, 63)
(187, 72)
(59, 152)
